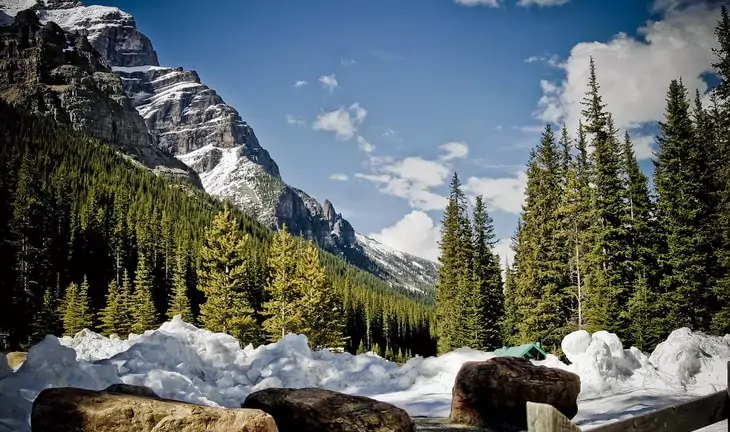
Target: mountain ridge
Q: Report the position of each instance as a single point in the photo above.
(192, 122)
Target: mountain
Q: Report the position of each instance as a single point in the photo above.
(191, 121)
(61, 75)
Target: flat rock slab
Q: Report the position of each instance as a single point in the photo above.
(320, 410)
(75, 409)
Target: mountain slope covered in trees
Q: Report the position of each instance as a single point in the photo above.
(77, 216)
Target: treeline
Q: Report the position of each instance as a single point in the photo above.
(80, 222)
(597, 249)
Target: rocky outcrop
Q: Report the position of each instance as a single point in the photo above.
(52, 72)
(72, 409)
(315, 410)
(494, 393)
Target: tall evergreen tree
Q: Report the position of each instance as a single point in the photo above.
(320, 306)
(46, 320)
(488, 281)
(126, 305)
(179, 300)
(451, 271)
(721, 138)
(606, 293)
(222, 276)
(284, 290)
(542, 273)
(75, 309)
(143, 307)
(684, 207)
(112, 314)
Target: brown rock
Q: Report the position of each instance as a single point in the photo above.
(494, 393)
(74, 409)
(16, 358)
(312, 409)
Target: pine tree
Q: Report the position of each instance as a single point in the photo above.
(222, 277)
(126, 306)
(46, 320)
(179, 303)
(542, 274)
(452, 230)
(606, 293)
(143, 310)
(112, 314)
(720, 119)
(284, 289)
(320, 306)
(685, 211)
(75, 309)
(487, 286)
(361, 348)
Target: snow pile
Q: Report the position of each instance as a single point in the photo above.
(180, 361)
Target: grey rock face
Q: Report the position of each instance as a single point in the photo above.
(112, 32)
(56, 73)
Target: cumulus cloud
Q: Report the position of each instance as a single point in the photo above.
(294, 120)
(343, 121)
(643, 146)
(634, 73)
(413, 178)
(489, 3)
(339, 177)
(416, 233)
(526, 3)
(300, 83)
(505, 194)
(329, 82)
(454, 150)
(365, 145)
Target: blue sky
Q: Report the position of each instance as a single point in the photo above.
(399, 94)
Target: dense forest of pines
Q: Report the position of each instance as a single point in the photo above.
(596, 248)
(89, 239)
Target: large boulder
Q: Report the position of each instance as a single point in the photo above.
(312, 409)
(5, 370)
(75, 409)
(494, 393)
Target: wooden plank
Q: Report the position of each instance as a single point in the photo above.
(684, 417)
(545, 418)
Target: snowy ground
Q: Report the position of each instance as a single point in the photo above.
(179, 361)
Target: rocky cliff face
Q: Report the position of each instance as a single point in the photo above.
(56, 73)
(191, 121)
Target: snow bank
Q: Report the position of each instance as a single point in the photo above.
(180, 361)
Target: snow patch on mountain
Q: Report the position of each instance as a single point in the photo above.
(412, 272)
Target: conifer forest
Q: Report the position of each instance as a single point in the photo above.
(90, 240)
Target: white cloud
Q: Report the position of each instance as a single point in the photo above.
(499, 127)
(365, 145)
(413, 178)
(505, 194)
(634, 73)
(542, 2)
(643, 146)
(294, 120)
(339, 177)
(454, 150)
(505, 252)
(489, 3)
(416, 233)
(343, 121)
(347, 62)
(329, 82)
(300, 83)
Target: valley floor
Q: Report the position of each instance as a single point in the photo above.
(180, 361)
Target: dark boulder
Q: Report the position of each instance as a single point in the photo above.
(316, 410)
(494, 393)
